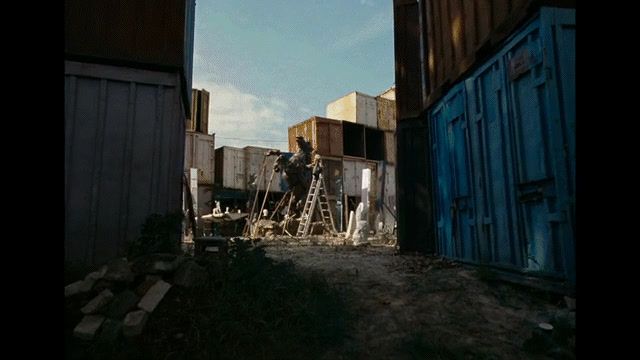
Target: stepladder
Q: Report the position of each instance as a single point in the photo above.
(317, 196)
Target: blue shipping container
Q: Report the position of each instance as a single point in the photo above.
(503, 154)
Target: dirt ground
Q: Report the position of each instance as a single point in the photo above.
(418, 307)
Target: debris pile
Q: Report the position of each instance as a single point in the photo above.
(119, 298)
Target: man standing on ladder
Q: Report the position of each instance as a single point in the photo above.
(316, 165)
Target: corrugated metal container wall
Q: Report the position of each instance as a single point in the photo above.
(410, 77)
(352, 176)
(414, 190)
(352, 180)
(511, 128)
(386, 195)
(390, 147)
(204, 112)
(325, 135)
(199, 153)
(231, 170)
(343, 108)
(366, 110)
(333, 174)
(461, 34)
(189, 39)
(452, 176)
(374, 193)
(205, 199)
(389, 198)
(157, 34)
(191, 120)
(199, 120)
(124, 153)
(386, 114)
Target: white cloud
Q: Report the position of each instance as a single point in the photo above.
(367, 2)
(376, 26)
(234, 115)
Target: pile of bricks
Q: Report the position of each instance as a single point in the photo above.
(122, 295)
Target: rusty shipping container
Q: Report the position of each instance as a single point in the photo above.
(124, 154)
(439, 41)
(199, 153)
(386, 113)
(324, 134)
(149, 34)
(386, 196)
(199, 120)
(390, 147)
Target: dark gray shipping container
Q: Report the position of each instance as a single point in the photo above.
(124, 154)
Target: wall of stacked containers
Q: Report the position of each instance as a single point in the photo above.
(503, 151)
(459, 35)
(150, 34)
(325, 136)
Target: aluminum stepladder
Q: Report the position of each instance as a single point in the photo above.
(317, 195)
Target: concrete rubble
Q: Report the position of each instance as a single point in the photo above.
(134, 323)
(119, 270)
(98, 302)
(87, 328)
(119, 298)
(190, 275)
(153, 297)
(121, 304)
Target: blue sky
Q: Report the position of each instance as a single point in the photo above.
(269, 64)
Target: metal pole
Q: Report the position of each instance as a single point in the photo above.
(266, 192)
(247, 227)
(279, 204)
